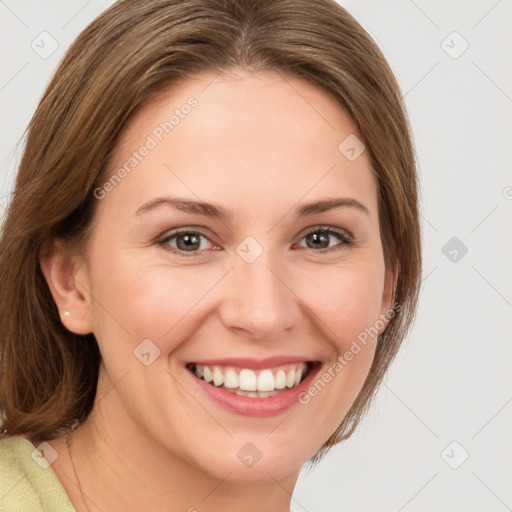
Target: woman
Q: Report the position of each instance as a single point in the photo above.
(211, 257)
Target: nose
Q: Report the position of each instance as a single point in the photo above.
(259, 300)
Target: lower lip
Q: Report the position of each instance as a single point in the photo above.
(255, 407)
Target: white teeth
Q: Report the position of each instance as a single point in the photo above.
(208, 377)
(266, 381)
(256, 394)
(218, 378)
(247, 380)
(280, 380)
(290, 379)
(264, 394)
(252, 383)
(230, 379)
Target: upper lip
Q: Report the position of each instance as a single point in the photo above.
(256, 364)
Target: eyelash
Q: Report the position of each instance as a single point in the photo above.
(340, 235)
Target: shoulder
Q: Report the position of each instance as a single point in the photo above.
(27, 481)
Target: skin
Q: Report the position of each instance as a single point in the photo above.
(256, 144)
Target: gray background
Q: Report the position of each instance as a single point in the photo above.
(449, 392)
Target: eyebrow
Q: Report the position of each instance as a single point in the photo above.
(218, 212)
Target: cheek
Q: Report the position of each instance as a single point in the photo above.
(347, 306)
(345, 298)
(142, 301)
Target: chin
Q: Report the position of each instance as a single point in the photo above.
(256, 459)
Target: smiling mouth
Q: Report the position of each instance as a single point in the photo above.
(253, 383)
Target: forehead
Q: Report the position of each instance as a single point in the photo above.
(241, 139)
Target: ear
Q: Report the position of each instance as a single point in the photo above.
(387, 311)
(67, 280)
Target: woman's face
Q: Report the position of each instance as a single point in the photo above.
(246, 299)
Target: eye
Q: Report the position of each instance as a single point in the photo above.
(319, 238)
(187, 241)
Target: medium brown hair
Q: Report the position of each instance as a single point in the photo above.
(48, 375)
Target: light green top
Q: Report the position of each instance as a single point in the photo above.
(27, 481)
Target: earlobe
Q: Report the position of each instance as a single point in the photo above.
(60, 271)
